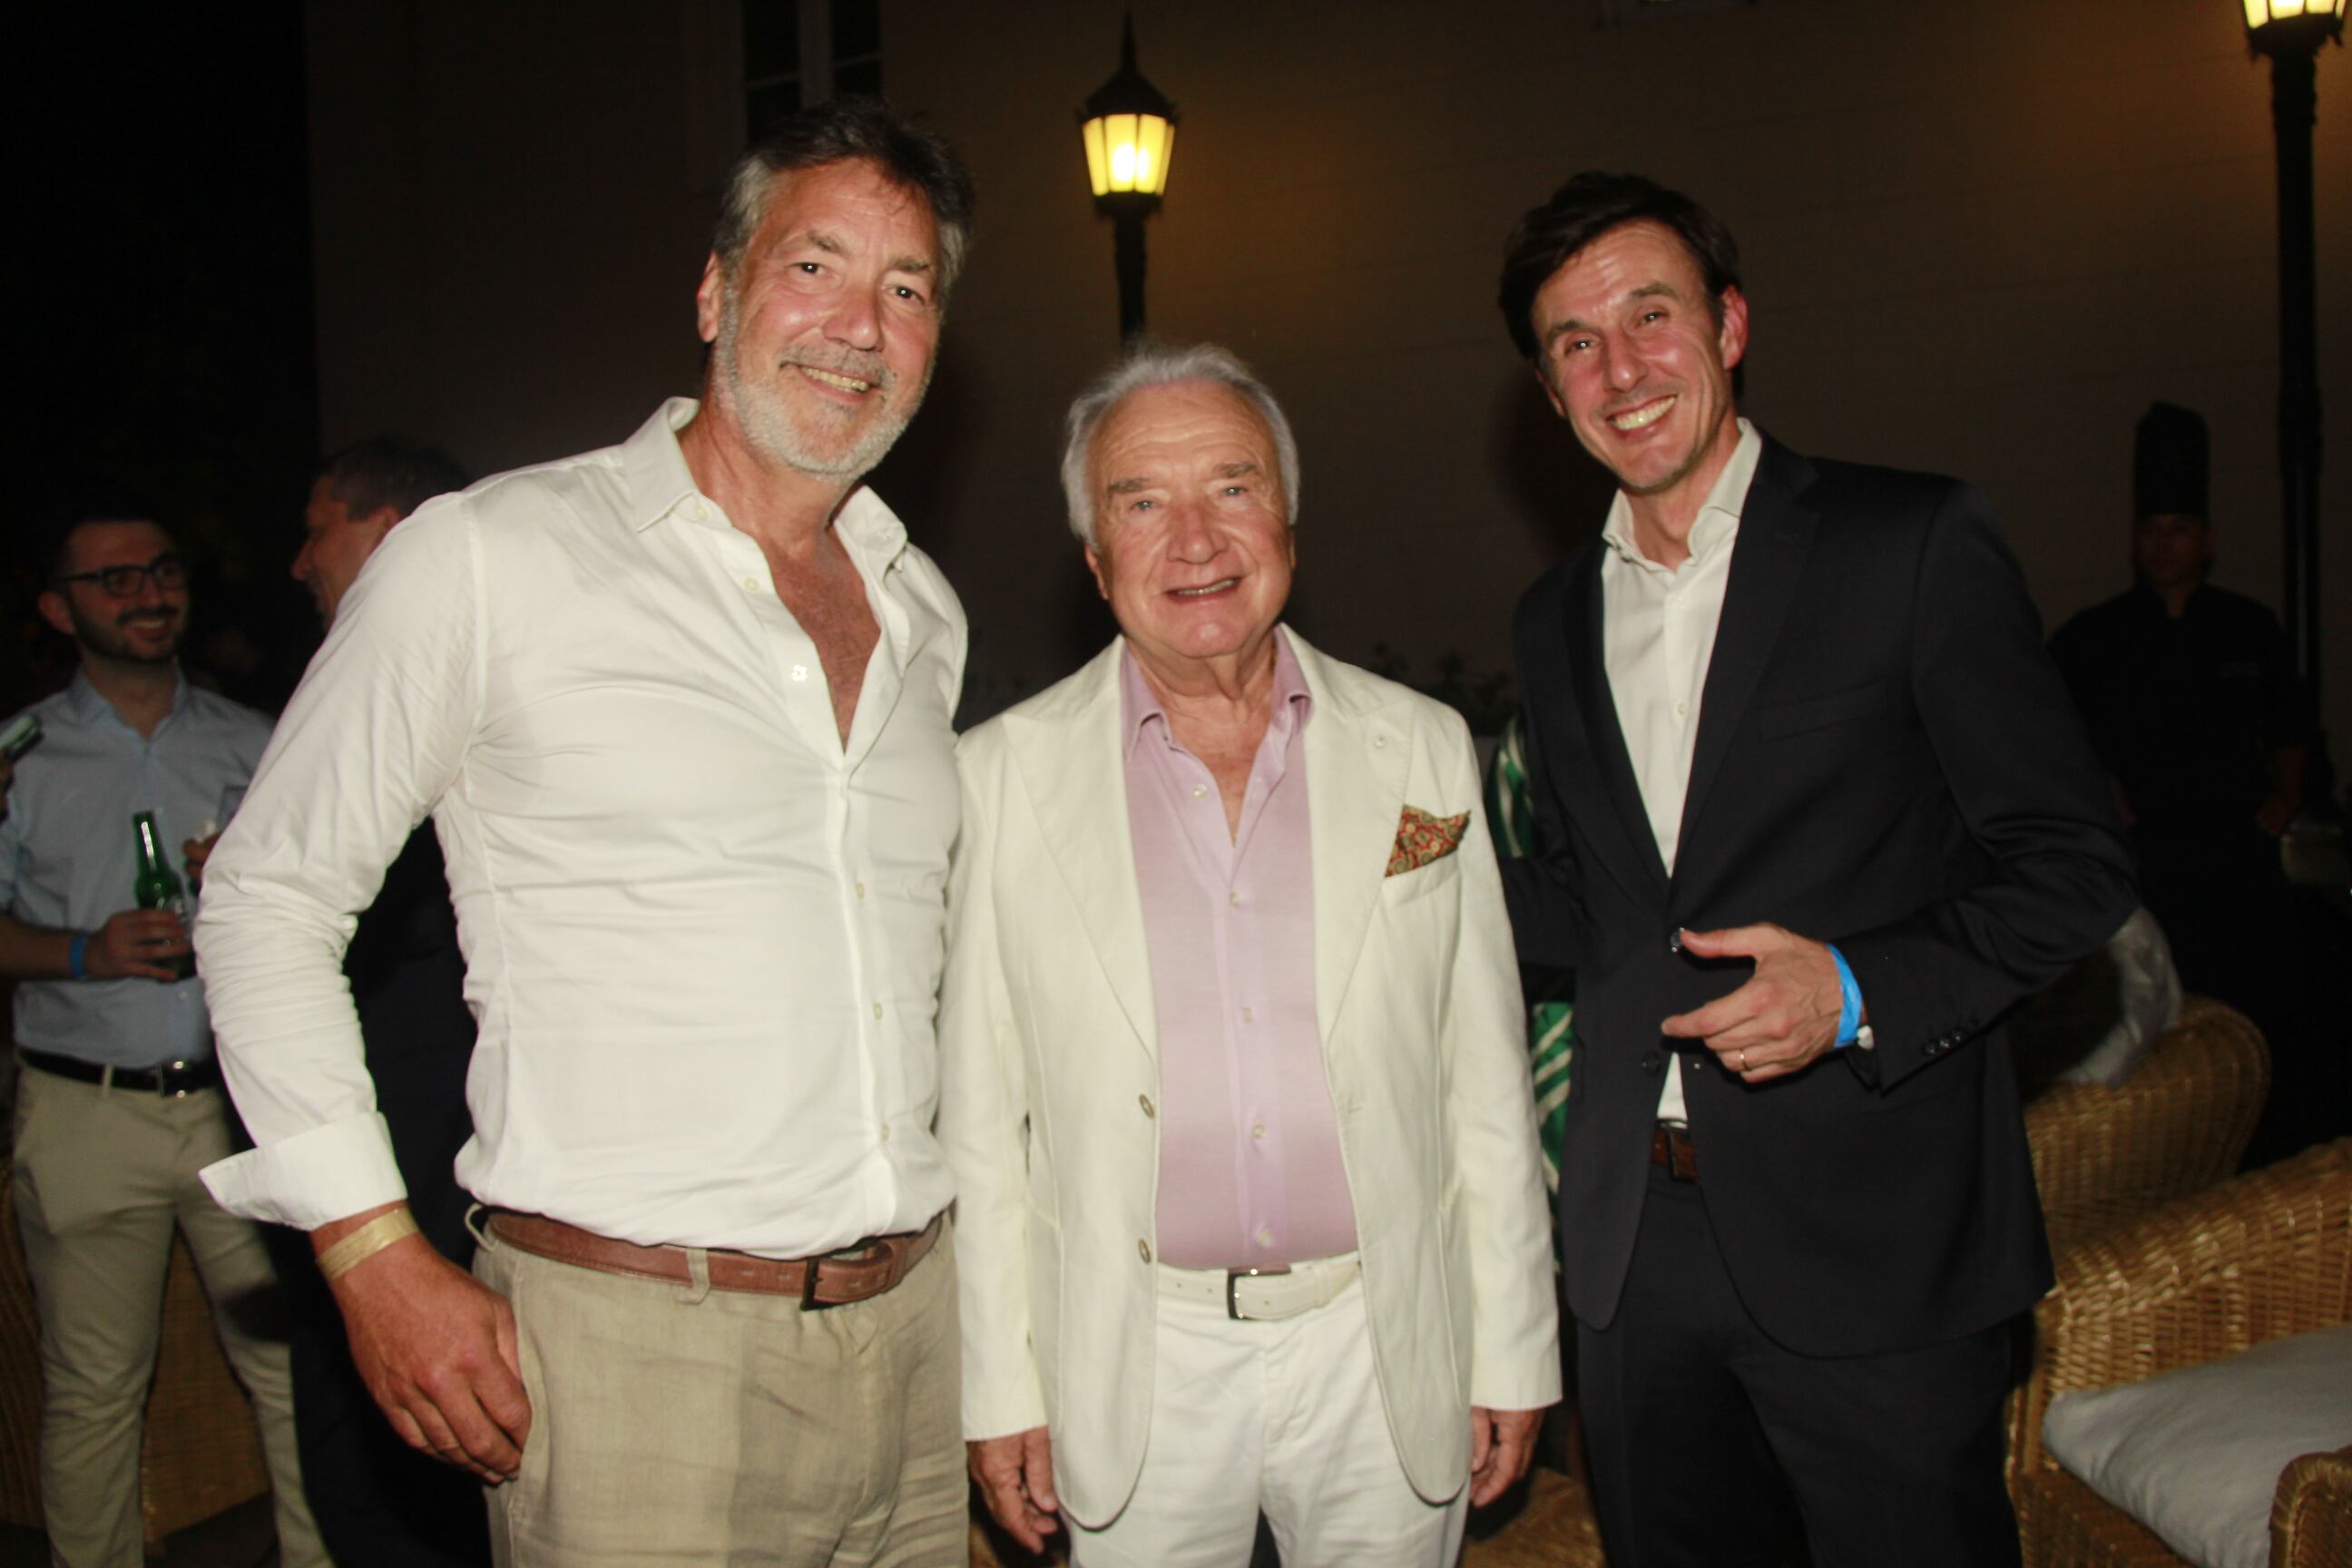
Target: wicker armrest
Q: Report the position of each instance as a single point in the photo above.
(2208, 1275)
(2179, 1124)
(2311, 1522)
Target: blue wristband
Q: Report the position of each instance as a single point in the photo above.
(1849, 1001)
(77, 957)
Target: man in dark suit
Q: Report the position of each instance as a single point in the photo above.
(380, 1504)
(1821, 814)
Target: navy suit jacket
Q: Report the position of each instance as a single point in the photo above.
(1886, 760)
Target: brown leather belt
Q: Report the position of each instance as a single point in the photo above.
(856, 1273)
(1670, 1145)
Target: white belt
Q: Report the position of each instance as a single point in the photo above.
(1256, 1295)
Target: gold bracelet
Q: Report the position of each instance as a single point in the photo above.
(366, 1242)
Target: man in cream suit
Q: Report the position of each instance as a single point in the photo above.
(1233, 1075)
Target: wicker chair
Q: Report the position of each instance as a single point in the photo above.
(202, 1453)
(2254, 1260)
(2178, 1125)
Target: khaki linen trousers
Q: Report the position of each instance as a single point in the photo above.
(675, 1424)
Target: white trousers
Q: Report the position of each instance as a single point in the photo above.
(1280, 1417)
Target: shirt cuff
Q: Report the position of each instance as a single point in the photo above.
(1850, 1024)
(326, 1174)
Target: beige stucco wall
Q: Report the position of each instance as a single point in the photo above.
(1981, 236)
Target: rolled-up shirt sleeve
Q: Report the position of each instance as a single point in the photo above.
(369, 743)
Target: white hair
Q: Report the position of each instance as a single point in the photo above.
(1147, 365)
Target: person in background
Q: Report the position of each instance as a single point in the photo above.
(1232, 1065)
(379, 1502)
(120, 1104)
(680, 711)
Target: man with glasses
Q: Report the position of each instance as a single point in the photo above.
(120, 1104)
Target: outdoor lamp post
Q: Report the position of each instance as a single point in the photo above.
(2291, 32)
(1130, 130)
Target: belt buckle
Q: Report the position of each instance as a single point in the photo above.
(856, 1252)
(1233, 1277)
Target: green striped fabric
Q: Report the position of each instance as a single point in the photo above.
(1551, 1032)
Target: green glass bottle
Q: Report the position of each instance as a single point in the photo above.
(157, 886)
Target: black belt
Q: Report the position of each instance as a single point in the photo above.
(171, 1079)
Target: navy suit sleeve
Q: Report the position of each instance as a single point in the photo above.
(2022, 773)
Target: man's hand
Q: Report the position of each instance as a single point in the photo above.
(437, 1349)
(136, 945)
(1785, 1015)
(1016, 1477)
(198, 853)
(1502, 1445)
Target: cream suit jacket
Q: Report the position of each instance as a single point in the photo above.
(1050, 1082)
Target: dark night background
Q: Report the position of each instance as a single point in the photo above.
(163, 350)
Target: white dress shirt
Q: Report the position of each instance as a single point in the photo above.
(702, 935)
(1657, 639)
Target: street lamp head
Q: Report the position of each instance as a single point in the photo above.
(1130, 127)
(2277, 27)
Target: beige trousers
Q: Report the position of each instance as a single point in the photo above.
(674, 1425)
(101, 1177)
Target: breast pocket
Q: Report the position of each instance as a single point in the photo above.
(1805, 715)
(1422, 882)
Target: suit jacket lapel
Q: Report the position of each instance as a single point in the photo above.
(1072, 760)
(1357, 756)
(1776, 534)
(1633, 848)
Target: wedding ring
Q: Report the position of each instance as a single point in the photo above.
(1743, 1058)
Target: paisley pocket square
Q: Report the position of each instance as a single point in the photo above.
(1422, 838)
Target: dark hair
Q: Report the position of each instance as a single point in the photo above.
(60, 525)
(852, 126)
(1581, 211)
(390, 470)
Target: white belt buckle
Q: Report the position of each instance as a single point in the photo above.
(1233, 1277)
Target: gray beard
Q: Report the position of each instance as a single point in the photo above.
(767, 421)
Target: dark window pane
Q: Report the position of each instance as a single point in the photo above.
(771, 38)
(857, 76)
(856, 30)
(765, 105)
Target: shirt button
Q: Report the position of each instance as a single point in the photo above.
(878, 1009)
(1380, 742)
(861, 890)
(1143, 1250)
(1249, 1015)
(1145, 1101)
(800, 672)
(1681, 709)
(1234, 900)
(886, 1133)
(1265, 1238)
(1258, 1132)
(1200, 790)
(753, 583)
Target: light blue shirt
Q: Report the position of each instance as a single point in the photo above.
(67, 858)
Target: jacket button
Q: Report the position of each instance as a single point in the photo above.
(1651, 1062)
(1698, 1062)
(1675, 940)
(1143, 1250)
(1145, 1101)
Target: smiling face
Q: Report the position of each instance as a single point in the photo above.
(144, 627)
(1192, 545)
(335, 545)
(822, 338)
(1634, 355)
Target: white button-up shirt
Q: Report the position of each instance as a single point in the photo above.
(702, 934)
(1658, 626)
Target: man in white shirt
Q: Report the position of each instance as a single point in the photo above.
(1817, 812)
(680, 711)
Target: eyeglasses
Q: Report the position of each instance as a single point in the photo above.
(170, 571)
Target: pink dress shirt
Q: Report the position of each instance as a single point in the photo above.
(1250, 1172)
